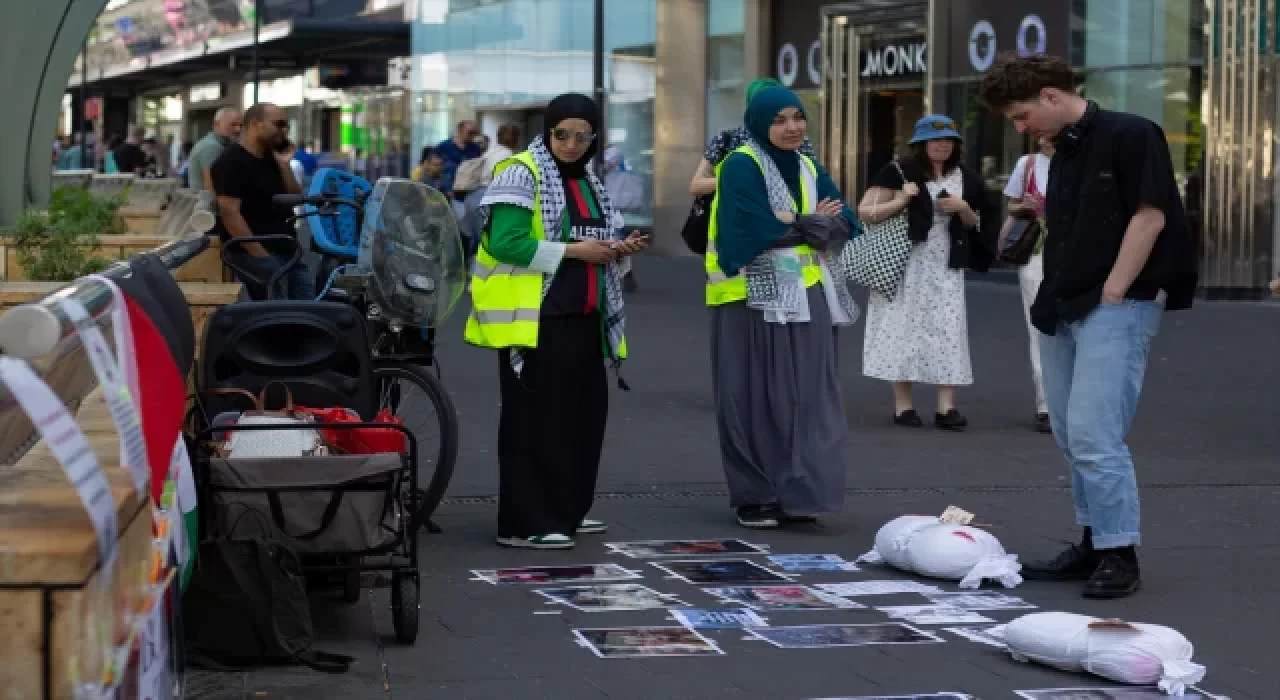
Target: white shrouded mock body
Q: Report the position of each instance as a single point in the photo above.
(1125, 652)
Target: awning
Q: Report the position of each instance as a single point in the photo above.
(285, 47)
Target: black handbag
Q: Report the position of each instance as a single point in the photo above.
(1020, 243)
(1025, 229)
(697, 226)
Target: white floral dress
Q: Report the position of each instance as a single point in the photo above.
(922, 336)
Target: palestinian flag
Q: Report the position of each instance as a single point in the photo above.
(161, 404)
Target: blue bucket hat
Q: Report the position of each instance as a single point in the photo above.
(934, 126)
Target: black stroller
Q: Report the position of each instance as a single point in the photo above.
(360, 349)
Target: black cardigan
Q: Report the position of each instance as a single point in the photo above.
(970, 248)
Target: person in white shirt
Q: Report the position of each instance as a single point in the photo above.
(1026, 190)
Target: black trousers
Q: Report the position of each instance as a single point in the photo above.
(551, 429)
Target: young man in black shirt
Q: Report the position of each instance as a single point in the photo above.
(1117, 254)
(245, 177)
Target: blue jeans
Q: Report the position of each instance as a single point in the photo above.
(1093, 372)
(297, 283)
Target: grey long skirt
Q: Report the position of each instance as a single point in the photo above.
(779, 408)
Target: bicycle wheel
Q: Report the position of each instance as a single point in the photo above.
(412, 393)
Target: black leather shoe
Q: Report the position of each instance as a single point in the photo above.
(1074, 564)
(759, 517)
(1042, 423)
(951, 420)
(908, 418)
(1116, 577)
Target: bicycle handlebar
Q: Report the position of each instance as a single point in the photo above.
(240, 241)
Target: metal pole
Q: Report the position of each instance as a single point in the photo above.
(84, 100)
(257, 24)
(597, 76)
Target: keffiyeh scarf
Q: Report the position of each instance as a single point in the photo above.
(775, 279)
(518, 187)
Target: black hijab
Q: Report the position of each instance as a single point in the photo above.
(572, 105)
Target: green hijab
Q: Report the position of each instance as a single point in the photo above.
(765, 104)
(759, 84)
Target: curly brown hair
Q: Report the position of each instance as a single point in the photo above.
(1016, 78)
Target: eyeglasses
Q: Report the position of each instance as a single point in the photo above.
(579, 136)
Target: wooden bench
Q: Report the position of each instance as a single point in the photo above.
(53, 595)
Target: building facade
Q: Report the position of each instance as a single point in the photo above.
(675, 72)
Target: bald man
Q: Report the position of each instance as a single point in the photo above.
(226, 130)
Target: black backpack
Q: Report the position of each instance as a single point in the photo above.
(247, 606)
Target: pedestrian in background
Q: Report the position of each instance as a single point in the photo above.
(226, 130)
(922, 335)
(774, 367)
(1119, 254)
(1026, 191)
(546, 293)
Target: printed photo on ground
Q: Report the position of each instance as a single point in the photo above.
(621, 642)
(1102, 694)
(782, 598)
(860, 588)
(682, 548)
(727, 618)
(611, 597)
(822, 636)
(980, 601)
(934, 615)
(795, 563)
(557, 574)
(981, 635)
(725, 571)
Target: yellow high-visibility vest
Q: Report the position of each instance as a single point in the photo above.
(506, 300)
(722, 289)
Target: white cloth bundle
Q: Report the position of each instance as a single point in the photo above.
(923, 545)
(1125, 652)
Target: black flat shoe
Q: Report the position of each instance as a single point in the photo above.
(1117, 576)
(1042, 423)
(909, 419)
(1074, 564)
(951, 420)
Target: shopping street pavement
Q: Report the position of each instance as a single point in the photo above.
(1206, 442)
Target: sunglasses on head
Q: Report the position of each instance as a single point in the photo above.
(940, 125)
(579, 136)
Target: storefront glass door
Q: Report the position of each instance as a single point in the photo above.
(876, 66)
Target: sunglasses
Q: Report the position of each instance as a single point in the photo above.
(281, 123)
(579, 136)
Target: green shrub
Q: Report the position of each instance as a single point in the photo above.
(56, 245)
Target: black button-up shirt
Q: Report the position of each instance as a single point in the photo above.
(1105, 168)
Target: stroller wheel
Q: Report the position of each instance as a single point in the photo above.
(404, 607)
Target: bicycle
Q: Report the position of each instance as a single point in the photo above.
(403, 348)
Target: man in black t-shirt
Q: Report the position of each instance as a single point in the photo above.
(245, 177)
(1117, 254)
(129, 155)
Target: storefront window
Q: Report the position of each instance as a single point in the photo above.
(1108, 33)
(726, 79)
(502, 61)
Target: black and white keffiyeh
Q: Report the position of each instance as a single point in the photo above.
(775, 279)
(519, 187)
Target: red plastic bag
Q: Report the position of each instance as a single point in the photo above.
(359, 441)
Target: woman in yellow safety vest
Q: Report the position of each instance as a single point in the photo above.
(546, 291)
(776, 221)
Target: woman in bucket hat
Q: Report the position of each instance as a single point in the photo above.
(922, 337)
